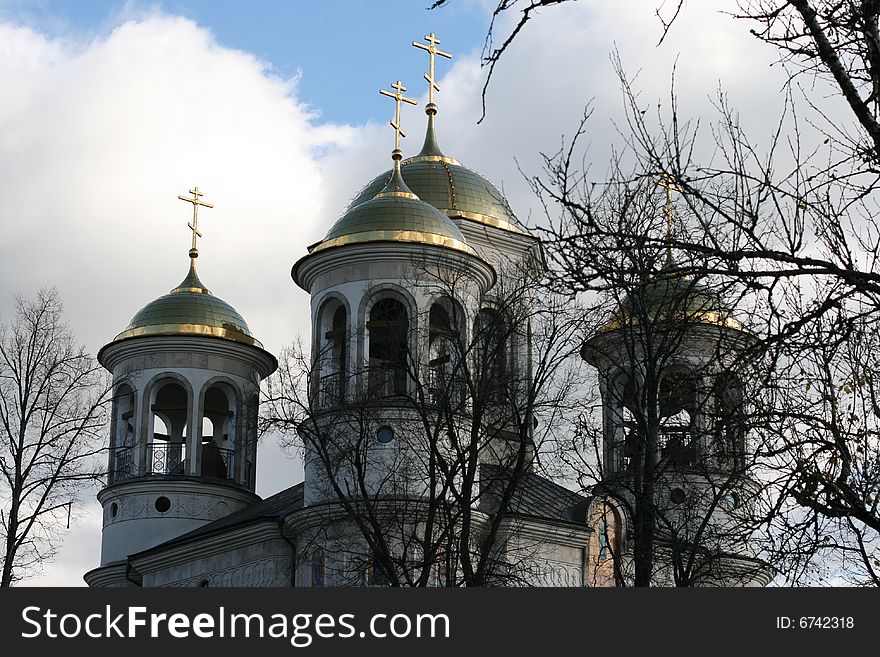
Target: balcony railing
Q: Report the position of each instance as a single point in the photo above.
(386, 381)
(330, 393)
(444, 390)
(678, 446)
(166, 458)
(123, 464)
(217, 462)
(169, 458)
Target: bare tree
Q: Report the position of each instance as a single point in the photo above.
(792, 218)
(672, 442)
(824, 455)
(494, 47)
(52, 396)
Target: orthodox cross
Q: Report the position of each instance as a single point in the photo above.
(432, 50)
(398, 96)
(194, 226)
(667, 181)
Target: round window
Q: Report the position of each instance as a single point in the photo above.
(732, 500)
(114, 510)
(162, 504)
(677, 495)
(385, 434)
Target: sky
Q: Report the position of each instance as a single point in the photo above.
(109, 110)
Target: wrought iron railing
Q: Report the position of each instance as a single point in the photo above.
(123, 464)
(330, 391)
(443, 389)
(386, 381)
(677, 446)
(217, 462)
(166, 458)
(169, 458)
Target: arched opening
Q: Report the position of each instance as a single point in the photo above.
(388, 330)
(218, 433)
(604, 546)
(318, 568)
(492, 353)
(332, 361)
(445, 378)
(122, 461)
(677, 406)
(166, 451)
(623, 436)
(729, 423)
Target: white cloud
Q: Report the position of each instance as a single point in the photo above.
(98, 138)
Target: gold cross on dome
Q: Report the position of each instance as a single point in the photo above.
(194, 226)
(432, 50)
(398, 97)
(667, 181)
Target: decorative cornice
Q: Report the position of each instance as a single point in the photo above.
(255, 357)
(309, 267)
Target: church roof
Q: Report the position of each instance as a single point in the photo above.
(189, 309)
(671, 296)
(443, 182)
(538, 497)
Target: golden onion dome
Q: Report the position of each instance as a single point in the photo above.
(444, 183)
(671, 297)
(189, 309)
(393, 213)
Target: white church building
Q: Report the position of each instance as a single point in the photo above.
(180, 508)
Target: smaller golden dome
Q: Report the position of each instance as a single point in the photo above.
(394, 214)
(189, 309)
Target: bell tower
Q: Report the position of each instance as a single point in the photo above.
(675, 464)
(186, 376)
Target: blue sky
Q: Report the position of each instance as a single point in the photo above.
(344, 50)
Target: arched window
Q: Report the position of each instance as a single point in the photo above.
(492, 347)
(333, 353)
(623, 434)
(677, 406)
(218, 446)
(604, 561)
(729, 422)
(388, 330)
(318, 568)
(445, 379)
(122, 465)
(166, 451)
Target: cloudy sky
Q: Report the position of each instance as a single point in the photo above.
(109, 110)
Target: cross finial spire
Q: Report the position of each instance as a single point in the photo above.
(194, 226)
(398, 132)
(668, 182)
(432, 50)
